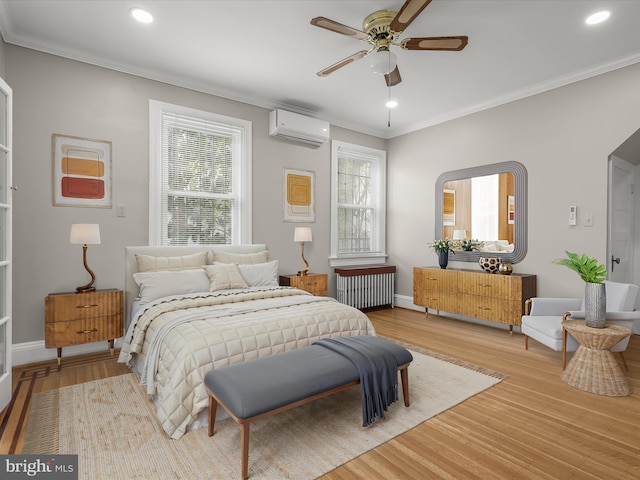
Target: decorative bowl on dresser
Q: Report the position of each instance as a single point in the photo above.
(78, 318)
(497, 298)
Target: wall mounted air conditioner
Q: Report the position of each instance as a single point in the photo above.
(298, 128)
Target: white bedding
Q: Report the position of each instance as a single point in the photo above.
(175, 341)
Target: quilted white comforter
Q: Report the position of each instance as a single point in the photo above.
(176, 341)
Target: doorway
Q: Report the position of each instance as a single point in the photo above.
(623, 230)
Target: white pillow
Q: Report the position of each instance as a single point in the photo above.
(148, 263)
(160, 284)
(241, 258)
(224, 277)
(261, 274)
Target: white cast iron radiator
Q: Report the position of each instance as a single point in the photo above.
(366, 286)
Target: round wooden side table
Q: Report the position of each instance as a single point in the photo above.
(593, 367)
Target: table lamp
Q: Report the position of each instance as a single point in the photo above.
(459, 234)
(302, 234)
(85, 234)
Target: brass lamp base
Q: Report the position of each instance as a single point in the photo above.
(302, 273)
(89, 286)
(85, 289)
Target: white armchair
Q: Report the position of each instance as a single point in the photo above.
(543, 321)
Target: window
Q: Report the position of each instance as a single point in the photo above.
(200, 177)
(358, 179)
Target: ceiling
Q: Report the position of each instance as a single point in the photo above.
(266, 52)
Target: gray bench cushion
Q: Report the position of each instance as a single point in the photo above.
(257, 386)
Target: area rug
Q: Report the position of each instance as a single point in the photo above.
(111, 425)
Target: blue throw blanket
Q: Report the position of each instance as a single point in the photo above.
(378, 369)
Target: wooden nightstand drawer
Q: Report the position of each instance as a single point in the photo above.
(314, 283)
(76, 306)
(77, 332)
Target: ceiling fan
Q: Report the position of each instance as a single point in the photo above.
(381, 30)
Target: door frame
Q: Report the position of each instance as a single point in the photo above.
(6, 184)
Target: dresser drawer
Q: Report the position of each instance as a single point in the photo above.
(493, 309)
(438, 300)
(485, 284)
(76, 332)
(65, 307)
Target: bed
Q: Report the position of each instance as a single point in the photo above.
(192, 309)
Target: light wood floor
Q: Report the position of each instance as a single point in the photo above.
(530, 426)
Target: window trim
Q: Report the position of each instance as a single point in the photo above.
(380, 256)
(156, 109)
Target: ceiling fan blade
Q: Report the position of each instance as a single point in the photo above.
(323, 22)
(435, 43)
(393, 78)
(342, 63)
(407, 14)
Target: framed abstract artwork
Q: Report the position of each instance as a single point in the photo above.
(81, 172)
(299, 194)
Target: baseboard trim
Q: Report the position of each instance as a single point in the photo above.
(34, 352)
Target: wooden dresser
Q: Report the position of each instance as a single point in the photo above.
(77, 318)
(473, 293)
(314, 283)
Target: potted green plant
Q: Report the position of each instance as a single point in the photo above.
(442, 248)
(593, 274)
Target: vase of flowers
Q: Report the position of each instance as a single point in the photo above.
(442, 248)
(595, 294)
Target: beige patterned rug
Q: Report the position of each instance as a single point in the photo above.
(111, 425)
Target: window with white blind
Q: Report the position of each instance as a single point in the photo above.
(200, 177)
(358, 206)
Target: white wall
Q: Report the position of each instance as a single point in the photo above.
(56, 95)
(563, 137)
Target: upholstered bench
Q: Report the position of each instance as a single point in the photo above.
(258, 388)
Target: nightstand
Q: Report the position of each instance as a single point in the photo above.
(78, 318)
(314, 283)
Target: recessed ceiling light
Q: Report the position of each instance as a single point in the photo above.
(391, 104)
(141, 15)
(597, 17)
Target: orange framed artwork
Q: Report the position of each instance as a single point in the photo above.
(81, 172)
(299, 195)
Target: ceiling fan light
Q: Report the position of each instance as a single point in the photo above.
(382, 61)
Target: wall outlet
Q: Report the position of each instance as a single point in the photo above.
(588, 220)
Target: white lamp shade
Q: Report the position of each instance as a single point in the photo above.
(459, 234)
(382, 61)
(302, 234)
(85, 233)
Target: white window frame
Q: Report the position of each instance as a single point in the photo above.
(242, 217)
(379, 255)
